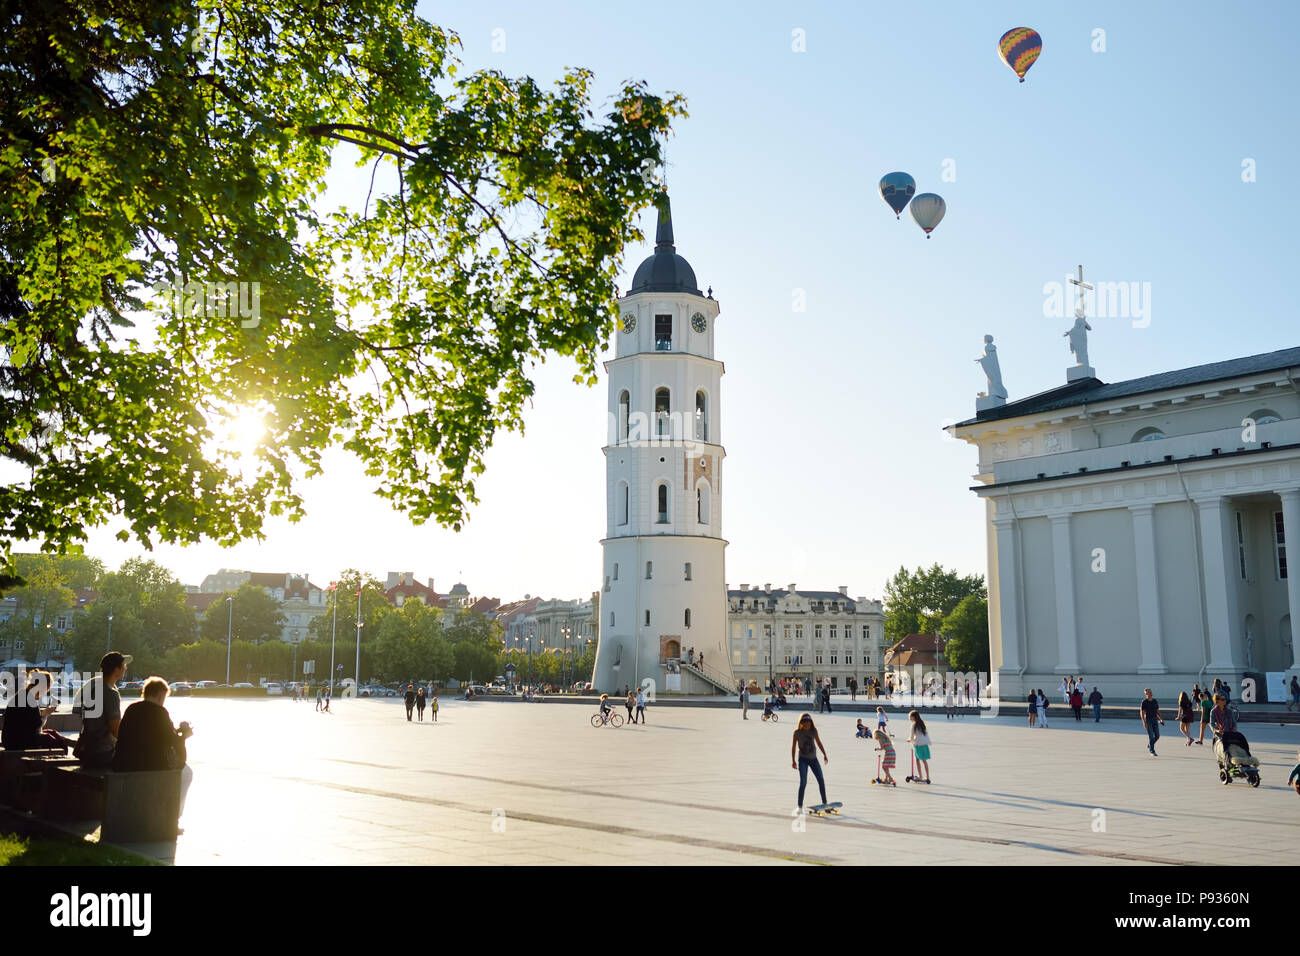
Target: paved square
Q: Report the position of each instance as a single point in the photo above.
(277, 783)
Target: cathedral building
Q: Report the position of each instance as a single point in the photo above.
(1137, 530)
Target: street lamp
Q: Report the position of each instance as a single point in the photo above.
(230, 617)
(357, 689)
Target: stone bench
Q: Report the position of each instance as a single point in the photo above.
(20, 774)
(137, 807)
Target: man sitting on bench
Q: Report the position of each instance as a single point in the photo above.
(25, 718)
(146, 739)
(101, 710)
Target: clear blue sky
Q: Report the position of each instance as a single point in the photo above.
(1127, 161)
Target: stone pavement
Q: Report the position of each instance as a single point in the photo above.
(502, 782)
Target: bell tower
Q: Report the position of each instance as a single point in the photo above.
(664, 587)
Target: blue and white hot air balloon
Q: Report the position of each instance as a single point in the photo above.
(896, 189)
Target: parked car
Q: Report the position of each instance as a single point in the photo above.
(243, 684)
(182, 689)
(274, 690)
(205, 683)
(476, 690)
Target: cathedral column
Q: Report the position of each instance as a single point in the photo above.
(1291, 528)
(1218, 602)
(1148, 588)
(1067, 636)
(1008, 594)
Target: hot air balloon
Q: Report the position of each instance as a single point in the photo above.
(896, 189)
(928, 210)
(1020, 47)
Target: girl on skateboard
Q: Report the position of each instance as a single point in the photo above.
(890, 757)
(920, 741)
(804, 746)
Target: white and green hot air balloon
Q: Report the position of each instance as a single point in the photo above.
(928, 210)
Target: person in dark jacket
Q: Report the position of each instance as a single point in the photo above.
(146, 739)
(25, 717)
(1076, 703)
(420, 702)
(410, 700)
(1095, 700)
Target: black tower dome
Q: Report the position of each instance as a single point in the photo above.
(665, 271)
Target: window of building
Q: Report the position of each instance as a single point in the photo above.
(663, 504)
(702, 503)
(866, 632)
(1265, 416)
(623, 498)
(1279, 541)
(611, 618)
(615, 570)
(834, 659)
(867, 659)
(647, 617)
(19, 645)
(663, 413)
(787, 632)
(817, 631)
(688, 570)
(663, 333)
(833, 632)
(818, 658)
(1241, 547)
(753, 658)
(649, 570)
(1147, 434)
(688, 617)
(624, 411)
(788, 659)
(61, 622)
(798, 632)
(848, 659)
(701, 417)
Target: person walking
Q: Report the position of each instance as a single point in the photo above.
(920, 741)
(630, 703)
(320, 697)
(326, 708)
(853, 689)
(1076, 703)
(1065, 689)
(410, 701)
(826, 696)
(1295, 694)
(420, 703)
(1185, 716)
(803, 757)
(433, 705)
(1095, 699)
(1042, 708)
(640, 705)
(1203, 703)
(1150, 712)
(1032, 699)
(744, 702)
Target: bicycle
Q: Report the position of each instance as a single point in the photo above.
(600, 720)
(773, 717)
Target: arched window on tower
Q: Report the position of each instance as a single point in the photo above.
(663, 413)
(702, 502)
(624, 410)
(701, 416)
(1265, 416)
(688, 617)
(622, 499)
(662, 496)
(1147, 434)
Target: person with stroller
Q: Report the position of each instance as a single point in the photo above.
(1230, 745)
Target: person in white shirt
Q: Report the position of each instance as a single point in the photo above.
(920, 741)
(1065, 690)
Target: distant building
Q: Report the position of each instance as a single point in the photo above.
(401, 586)
(301, 602)
(811, 634)
(925, 650)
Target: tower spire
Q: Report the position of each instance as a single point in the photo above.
(664, 232)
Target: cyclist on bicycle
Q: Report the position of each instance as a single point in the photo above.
(768, 707)
(604, 706)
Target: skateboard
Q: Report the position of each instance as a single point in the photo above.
(825, 809)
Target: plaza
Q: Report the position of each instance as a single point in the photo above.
(500, 782)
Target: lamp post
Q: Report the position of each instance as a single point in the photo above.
(230, 618)
(357, 690)
(334, 627)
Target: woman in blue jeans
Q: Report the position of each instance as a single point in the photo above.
(804, 748)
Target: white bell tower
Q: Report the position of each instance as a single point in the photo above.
(664, 587)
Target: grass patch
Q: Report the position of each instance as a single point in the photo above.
(59, 850)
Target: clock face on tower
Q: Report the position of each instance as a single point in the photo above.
(698, 322)
(629, 322)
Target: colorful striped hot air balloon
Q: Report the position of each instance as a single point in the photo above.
(1020, 47)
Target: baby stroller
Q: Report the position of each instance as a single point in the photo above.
(1233, 754)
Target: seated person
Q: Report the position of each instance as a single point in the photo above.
(25, 718)
(767, 706)
(146, 739)
(101, 710)
(862, 729)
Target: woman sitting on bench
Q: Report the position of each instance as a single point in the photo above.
(146, 739)
(25, 718)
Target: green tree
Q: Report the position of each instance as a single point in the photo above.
(967, 633)
(374, 605)
(917, 602)
(149, 614)
(253, 616)
(182, 147)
